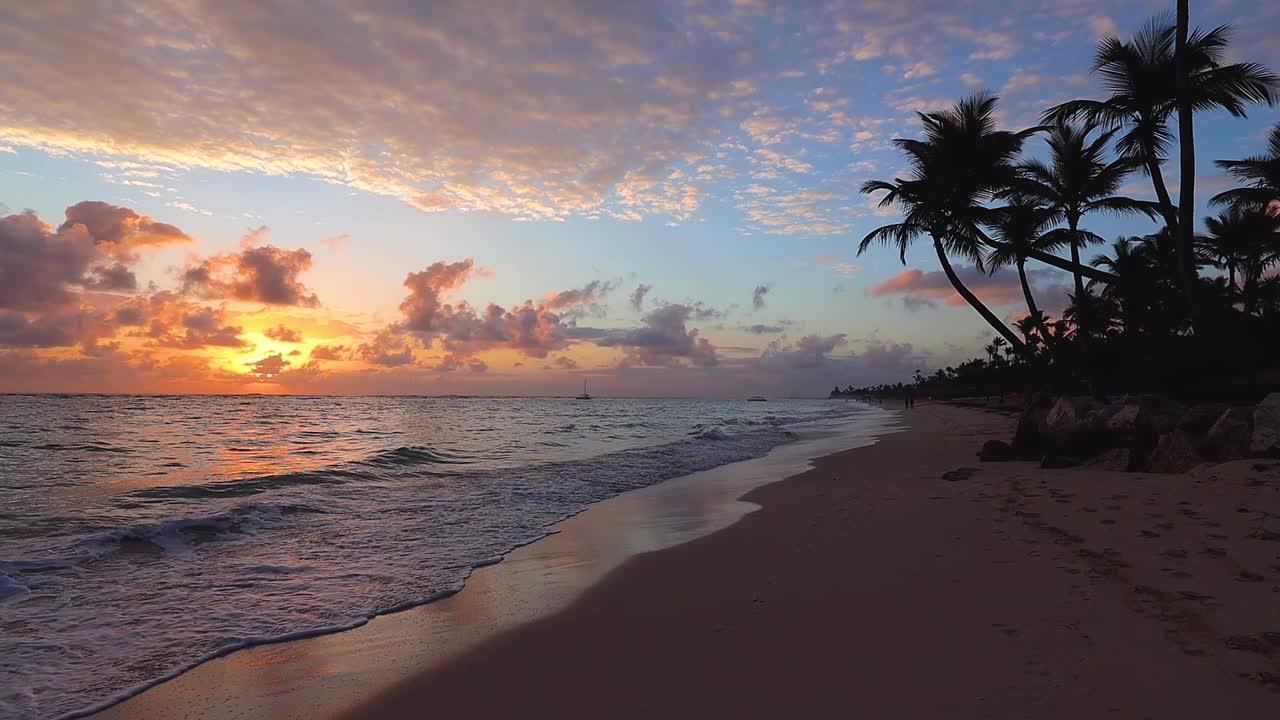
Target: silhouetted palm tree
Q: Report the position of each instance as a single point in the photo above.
(1240, 239)
(1076, 181)
(1142, 80)
(962, 162)
(1262, 172)
(1020, 227)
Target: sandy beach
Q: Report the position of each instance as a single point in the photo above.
(907, 580)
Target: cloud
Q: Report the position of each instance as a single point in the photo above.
(564, 362)
(265, 274)
(1001, 288)
(1103, 25)
(896, 358)
(388, 348)
(335, 242)
(638, 295)
(591, 293)
(120, 231)
(330, 352)
(269, 366)
(283, 334)
(37, 265)
(423, 308)
(757, 296)
(169, 320)
(810, 351)
(59, 328)
(762, 329)
(115, 277)
(539, 111)
(663, 339)
(803, 212)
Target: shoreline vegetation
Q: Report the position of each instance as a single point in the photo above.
(1189, 315)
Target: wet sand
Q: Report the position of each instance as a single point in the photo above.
(324, 675)
(907, 580)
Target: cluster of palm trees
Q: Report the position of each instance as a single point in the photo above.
(972, 195)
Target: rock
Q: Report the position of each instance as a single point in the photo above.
(996, 451)
(1197, 420)
(1149, 414)
(1054, 462)
(1029, 438)
(1265, 441)
(1229, 435)
(1175, 452)
(962, 473)
(1067, 414)
(1099, 419)
(1069, 430)
(1115, 459)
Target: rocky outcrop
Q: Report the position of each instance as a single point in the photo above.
(1175, 452)
(1142, 433)
(1230, 434)
(1265, 441)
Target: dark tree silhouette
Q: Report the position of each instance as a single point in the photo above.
(962, 162)
(1078, 180)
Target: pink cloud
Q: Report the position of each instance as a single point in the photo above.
(919, 287)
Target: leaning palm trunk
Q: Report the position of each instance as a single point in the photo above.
(1167, 209)
(1073, 223)
(1047, 258)
(973, 300)
(1031, 305)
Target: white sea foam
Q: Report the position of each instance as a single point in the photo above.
(390, 517)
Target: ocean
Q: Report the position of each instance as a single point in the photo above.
(142, 535)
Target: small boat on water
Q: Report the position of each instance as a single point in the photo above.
(584, 395)
(756, 398)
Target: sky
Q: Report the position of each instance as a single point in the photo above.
(367, 196)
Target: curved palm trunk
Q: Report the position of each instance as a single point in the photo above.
(1167, 210)
(1187, 275)
(1031, 304)
(973, 300)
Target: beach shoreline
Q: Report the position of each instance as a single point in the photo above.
(905, 579)
(338, 670)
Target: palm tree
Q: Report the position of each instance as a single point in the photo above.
(1262, 172)
(962, 162)
(1020, 227)
(1141, 76)
(1240, 238)
(1078, 180)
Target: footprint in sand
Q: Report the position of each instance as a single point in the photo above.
(962, 473)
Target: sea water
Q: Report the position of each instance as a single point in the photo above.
(141, 535)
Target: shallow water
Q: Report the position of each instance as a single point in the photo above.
(140, 535)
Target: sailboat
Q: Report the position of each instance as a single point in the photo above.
(584, 395)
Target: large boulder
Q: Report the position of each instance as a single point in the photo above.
(1266, 427)
(1145, 415)
(1029, 439)
(1229, 435)
(1070, 428)
(1175, 452)
(1197, 420)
